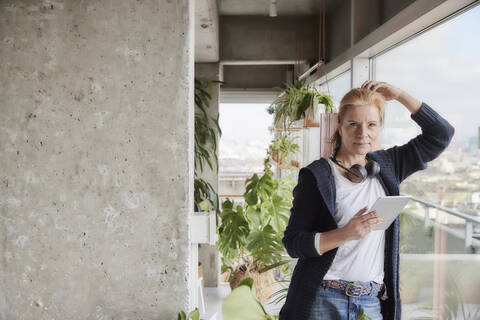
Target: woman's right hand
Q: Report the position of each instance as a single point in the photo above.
(361, 224)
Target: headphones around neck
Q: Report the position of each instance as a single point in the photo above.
(358, 173)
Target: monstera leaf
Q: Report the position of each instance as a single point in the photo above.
(265, 245)
(278, 210)
(258, 188)
(242, 304)
(233, 230)
(253, 215)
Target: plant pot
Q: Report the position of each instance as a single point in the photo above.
(224, 277)
(296, 164)
(276, 157)
(311, 118)
(294, 126)
(328, 125)
(264, 283)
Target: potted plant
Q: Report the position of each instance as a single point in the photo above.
(250, 234)
(281, 150)
(205, 146)
(297, 102)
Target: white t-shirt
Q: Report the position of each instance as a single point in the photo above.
(356, 260)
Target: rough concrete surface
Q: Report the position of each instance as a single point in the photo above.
(96, 159)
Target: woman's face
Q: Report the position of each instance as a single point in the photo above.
(361, 130)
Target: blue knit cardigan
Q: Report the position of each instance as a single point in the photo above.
(314, 206)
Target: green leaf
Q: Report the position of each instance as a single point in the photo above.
(233, 229)
(242, 304)
(194, 315)
(265, 245)
(182, 315)
(362, 316)
(205, 140)
(253, 217)
(247, 282)
(251, 197)
(294, 101)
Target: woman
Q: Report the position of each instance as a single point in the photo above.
(343, 265)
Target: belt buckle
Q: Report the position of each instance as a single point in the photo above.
(354, 287)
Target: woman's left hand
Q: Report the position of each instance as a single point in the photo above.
(388, 91)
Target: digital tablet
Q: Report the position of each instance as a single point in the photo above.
(389, 208)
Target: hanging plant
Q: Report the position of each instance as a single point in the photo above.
(294, 103)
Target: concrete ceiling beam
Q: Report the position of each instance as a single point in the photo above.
(206, 31)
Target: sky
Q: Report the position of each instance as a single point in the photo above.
(245, 136)
(440, 67)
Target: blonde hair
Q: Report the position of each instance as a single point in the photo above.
(357, 97)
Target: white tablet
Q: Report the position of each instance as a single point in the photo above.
(389, 208)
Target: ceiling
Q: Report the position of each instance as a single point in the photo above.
(261, 7)
(284, 7)
(208, 13)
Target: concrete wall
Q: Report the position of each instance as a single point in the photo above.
(208, 255)
(96, 136)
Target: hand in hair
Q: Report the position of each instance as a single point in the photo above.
(388, 91)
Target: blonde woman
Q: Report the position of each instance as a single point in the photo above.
(343, 265)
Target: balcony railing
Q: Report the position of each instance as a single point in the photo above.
(471, 236)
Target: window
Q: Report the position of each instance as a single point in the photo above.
(337, 87)
(441, 68)
(243, 144)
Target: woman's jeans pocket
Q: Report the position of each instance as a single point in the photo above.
(333, 304)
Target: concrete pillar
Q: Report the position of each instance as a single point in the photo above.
(208, 255)
(96, 136)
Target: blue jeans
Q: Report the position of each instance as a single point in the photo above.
(333, 304)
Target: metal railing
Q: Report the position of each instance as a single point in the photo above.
(469, 221)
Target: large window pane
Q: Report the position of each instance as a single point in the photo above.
(441, 68)
(243, 145)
